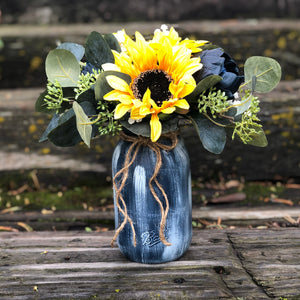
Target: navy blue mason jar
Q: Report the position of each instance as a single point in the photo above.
(143, 209)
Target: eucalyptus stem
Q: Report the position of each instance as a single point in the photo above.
(218, 124)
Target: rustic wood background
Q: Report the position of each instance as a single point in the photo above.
(234, 263)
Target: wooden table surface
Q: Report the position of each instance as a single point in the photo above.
(220, 264)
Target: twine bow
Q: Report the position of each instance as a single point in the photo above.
(137, 143)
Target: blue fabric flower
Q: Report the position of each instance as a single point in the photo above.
(217, 62)
(88, 68)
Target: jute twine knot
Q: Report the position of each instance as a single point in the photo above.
(137, 143)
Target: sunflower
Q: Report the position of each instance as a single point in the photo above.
(161, 72)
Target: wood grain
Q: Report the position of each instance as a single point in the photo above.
(220, 264)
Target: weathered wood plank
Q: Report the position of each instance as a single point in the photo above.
(76, 220)
(220, 264)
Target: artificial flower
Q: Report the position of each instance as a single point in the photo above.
(217, 62)
(161, 72)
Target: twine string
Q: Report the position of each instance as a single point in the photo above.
(137, 142)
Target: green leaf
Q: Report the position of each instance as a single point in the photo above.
(53, 124)
(97, 50)
(212, 136)
(260, 139)
(63, 66)
(88, 95)
(84, 129)
(102, 87)
(76, 49)
(112, 42)
(202, 86)
(265, 70)
(65, 134)
(143, 128)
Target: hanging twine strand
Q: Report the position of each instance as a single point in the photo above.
(137, 143)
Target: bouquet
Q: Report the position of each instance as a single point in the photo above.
(116, 82)
(145, 90)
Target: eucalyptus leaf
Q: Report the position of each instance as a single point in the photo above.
(82, 120)
(260, 139)
(53, 124)
(265, 70)
(62, 65)
(143, 128)
(212, 136)
(88, 95)
(102, 87)
(97, 50)
(65, 134)
(76, 49)
(112, 42)
(202, 86)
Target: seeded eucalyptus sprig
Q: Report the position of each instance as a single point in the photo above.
(248, 126)
(105, 122)
(214, 102)
(86, 81)
(54, 96)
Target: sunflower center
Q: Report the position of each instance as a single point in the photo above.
(157, 81)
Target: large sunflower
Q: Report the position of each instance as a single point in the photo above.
(161, 72)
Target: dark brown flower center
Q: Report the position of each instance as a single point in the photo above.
(157, 81)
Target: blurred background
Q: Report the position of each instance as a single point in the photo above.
(39, 176)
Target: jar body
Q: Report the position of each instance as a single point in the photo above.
(175, 178)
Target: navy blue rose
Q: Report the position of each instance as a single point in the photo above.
(88, 68)
(217, 62)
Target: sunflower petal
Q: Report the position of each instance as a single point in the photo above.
(182, 104)
(136, 114)
(117, 83)
(168, 110)
(118, 96)
(121, 110)
(110, 67)
(155, 126)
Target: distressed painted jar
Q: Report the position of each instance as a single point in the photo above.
(143, 209)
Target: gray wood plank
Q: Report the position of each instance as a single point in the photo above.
(220, 264)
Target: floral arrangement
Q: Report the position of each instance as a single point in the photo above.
(152, 87)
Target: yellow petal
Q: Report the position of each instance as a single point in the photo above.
(147, 96)
(121, 110)
(168, 110)
(136, 114)
(147, 101)
(118, 96)
(117, 83)
(110, 67)
(182, 104)
(155, 126)
(144, 110)
(185, 90)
